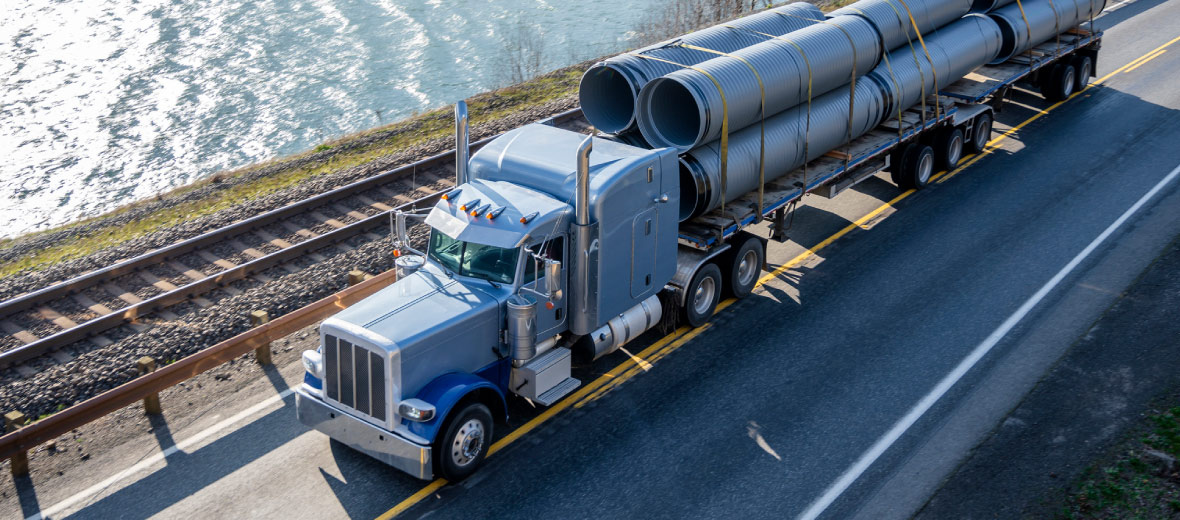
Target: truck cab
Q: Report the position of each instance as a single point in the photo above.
(542, 250)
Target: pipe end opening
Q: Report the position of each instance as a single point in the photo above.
(607, 98)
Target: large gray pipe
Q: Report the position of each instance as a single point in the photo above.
(787, 135)
(955, 50)
(608, 89)
(892, 17)
(1046, 18)
(685, 109)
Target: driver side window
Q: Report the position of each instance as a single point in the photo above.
(553, 249)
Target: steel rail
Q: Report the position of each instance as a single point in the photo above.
(60, 423)
(126, 314)
(132, 265)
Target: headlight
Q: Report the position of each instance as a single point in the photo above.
(416, 410)
(313, 363)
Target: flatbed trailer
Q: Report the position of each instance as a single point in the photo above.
(967, 104)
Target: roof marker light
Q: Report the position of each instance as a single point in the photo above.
(475, 212)
(525, 219)
(469, 204)
(451, 194)
(495, 212)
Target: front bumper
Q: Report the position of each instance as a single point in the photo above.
(385, 446)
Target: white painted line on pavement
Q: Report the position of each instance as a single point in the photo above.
(854, 472)
(167, 452)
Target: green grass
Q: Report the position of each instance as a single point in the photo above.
(400, 136)
(1130, 487)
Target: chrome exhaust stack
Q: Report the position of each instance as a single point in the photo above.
(462, 147)
(584, 307)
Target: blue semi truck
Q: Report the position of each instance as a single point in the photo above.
(554, 244)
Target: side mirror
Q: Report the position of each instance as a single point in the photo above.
(553, 278)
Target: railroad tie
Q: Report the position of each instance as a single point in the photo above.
(18, 332)
(379, 206)
(327, 220)
(345, 210)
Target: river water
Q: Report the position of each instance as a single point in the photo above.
(103, 102)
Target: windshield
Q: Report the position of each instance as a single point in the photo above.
(470, 259)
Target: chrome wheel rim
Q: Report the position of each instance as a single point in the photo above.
(956, 151)
(702, 298)
(1084, 79)
(747, 268)
(467, 443)
(1067, 89)
(981, 134)
(925, 167)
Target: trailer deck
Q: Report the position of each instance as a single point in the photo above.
(868, 154)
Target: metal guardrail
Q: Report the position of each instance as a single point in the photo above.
(58, 424)
(126, 314)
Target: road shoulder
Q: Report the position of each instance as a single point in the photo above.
(1098, 392)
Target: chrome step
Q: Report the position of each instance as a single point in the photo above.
(558, 391)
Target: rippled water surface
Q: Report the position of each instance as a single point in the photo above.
(103, 102)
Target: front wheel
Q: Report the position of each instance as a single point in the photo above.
(464, 443)
(702, 295)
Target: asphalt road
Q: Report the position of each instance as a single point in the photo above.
(762, 413)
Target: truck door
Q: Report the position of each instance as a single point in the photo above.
(549, 321)
(643, 252)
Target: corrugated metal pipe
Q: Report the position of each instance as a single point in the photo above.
(955, 50)
(892, 18)
(608, 89)
(1038, 21)
(983, 6)
(687, 107)
(787, 137)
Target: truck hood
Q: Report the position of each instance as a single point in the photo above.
(422, 309)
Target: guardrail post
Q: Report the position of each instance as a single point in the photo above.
(356, 276)
(261, 354)
(151, 403)
(20, 460)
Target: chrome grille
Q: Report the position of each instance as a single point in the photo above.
(354, 377)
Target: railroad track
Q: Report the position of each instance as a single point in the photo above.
(91, 310)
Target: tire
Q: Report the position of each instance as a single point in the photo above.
(916, 167)
(1059, 83)
(948, 149)
(981, 133)
(464, 443)
(743, 267)
(1084, 66)
(702, 295)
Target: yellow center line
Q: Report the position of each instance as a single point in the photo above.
(1152, 57)
(636, 363)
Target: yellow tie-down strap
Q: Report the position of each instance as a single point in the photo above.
(762, 115)
(724, 117)
(807, 124)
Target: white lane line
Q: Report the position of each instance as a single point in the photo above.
(154, 459)
(854, 472)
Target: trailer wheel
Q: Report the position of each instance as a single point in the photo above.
(1059, 83)
(916, 167)
(948, 148)
(981, 133)
(1084, 66)
(703, 294)
(464, 444)
(745, 264)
